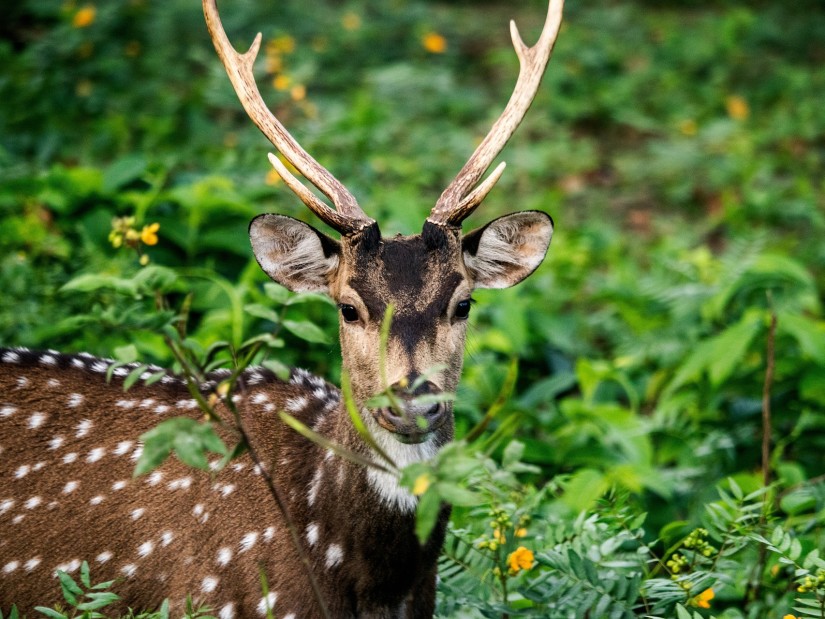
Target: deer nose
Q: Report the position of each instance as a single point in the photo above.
(413, 416)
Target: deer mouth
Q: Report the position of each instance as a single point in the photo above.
(411, 426)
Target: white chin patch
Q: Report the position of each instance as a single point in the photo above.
(386, 485)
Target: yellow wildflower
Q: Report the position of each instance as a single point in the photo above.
(737, 107)
(434, 43)
(421, 483)
(272, 177)
(282, 44)
(298, 92)
(149, 234)
(499, 536)
(84, 16)
(790, 617)
(520, 559)
(351, 21)
(521, 532)
(703, 599)
(144, 260)
(688, 127)
(282, 82)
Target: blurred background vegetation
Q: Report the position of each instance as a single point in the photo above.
(679, 147)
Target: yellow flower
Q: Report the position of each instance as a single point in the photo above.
(351, 21)
(521, 532)
(737, 107)
(298, 92)
(688, 127)
(282, 82)
(520, 559)
(84, 17)
(272, 177)
(434, 43)
(790, 617)
(149, 234)
(703, 599)
(421, 483)
(499, 536)
(144, 260)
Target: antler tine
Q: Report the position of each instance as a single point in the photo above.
(459, 199)
(348, 216)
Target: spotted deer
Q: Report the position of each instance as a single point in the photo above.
(70, 437)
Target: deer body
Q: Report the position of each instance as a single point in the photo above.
(69, 439)
(68, 495)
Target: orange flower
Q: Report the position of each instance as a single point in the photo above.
(703, 599)
(149, 234)
(434, 43)
(84, 17)
(790, 617)
(520, 559)
(737, 107)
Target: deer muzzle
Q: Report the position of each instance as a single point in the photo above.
(413, 416)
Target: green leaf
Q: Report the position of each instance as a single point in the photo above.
(123, 171)
(456, 495)
(426, 515)
(305, 297)
(277, 293)
(306, 331)
(152, 279)
(512, 453)
(49, 612)
(69, 587)
(85, 579)
(134, 376)
(126, 354)
(94, 283)
(261, 311)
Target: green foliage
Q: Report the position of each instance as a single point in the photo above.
(679, 149)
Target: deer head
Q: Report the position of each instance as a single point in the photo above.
(427, 278)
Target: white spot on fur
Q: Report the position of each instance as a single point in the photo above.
(83, 428)
(75, 400)
(22, 382)
(104, 556)
(78, 363)
(99, 366)
(137, 513)
(56, 442)
(9, 567)
(180, 484)
(18, 519)
(227, 611)
(248, 541)
(95, 454)
(126, 404)
(260, 398)
(69, 567)
(7, 411)
(166, 538)
(290, 616)
(186, 404)
(224, 556)
(209, 584)
(122, 448)
(147, 402)
(32, 563)
(6, 505)
(137, 453)
(36, 420)
(267, 603)
(295, 405)
(38, 466)
(22, 471)
(11, 357)
(269, 534)
(314, 486)
(155, 478)
(69, 458)
(146, 548)
(161, 408)
(312, 533)
(33, 502)
(129, 570)
(48, 360)
(335, 555)
(119, 485)
(96, 500)
(70, 487)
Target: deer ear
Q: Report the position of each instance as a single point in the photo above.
(507, 249)
(293, 253)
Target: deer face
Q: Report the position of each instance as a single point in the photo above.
(428, 280)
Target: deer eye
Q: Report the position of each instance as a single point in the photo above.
(349, 313)
(462, 310)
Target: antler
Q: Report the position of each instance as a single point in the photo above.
(460, 199)
(348, 217)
